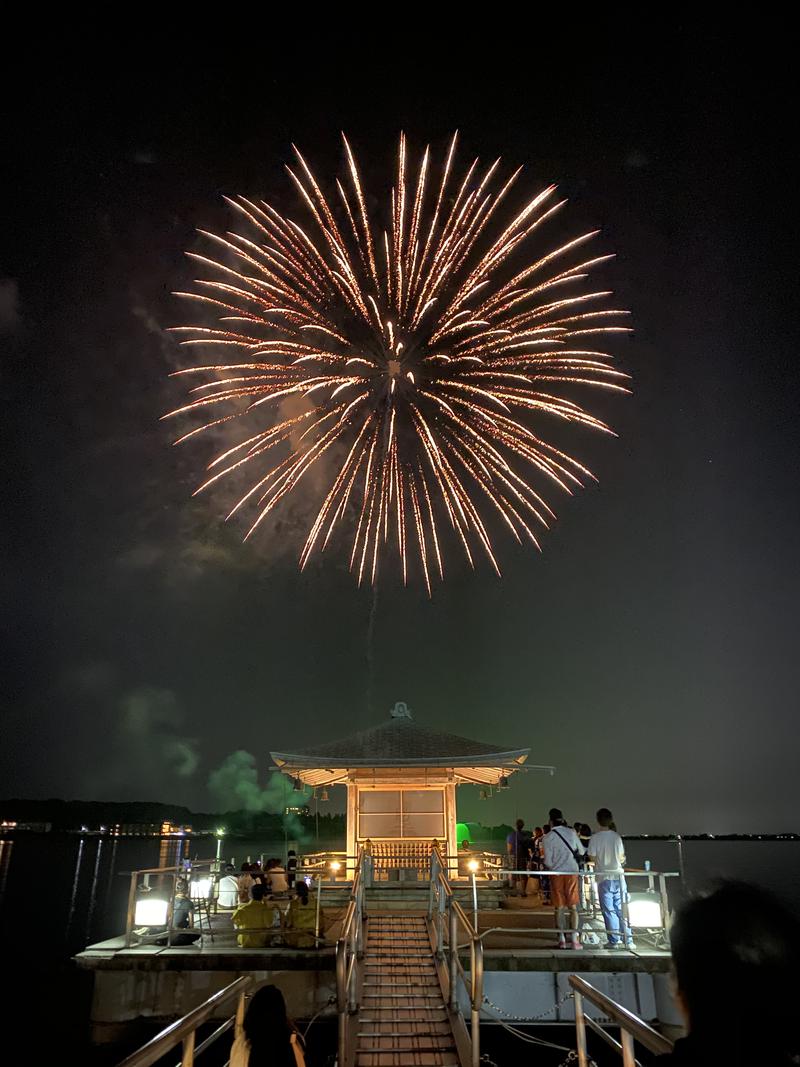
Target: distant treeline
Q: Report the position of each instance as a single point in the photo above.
(65, 815)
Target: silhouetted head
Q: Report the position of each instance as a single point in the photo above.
(556, 817)
(520, 823)
(267, 1026)
(604, 818)
(245, 867)
(302, 892)
(229, 868)
(739, 946)
(257, 891)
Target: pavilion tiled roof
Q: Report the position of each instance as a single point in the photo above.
(401, 743)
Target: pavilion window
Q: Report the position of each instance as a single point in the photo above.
(400, 813)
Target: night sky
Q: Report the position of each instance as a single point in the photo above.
(650, 652)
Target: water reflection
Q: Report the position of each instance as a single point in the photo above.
(93, 895)
(74, 896)
(6, 848)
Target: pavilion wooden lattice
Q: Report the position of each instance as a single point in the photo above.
(401, 785)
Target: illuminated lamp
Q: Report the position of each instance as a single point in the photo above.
(200, 888)
(473, 865)
(335, 866)
(150, 912)
(644, 911)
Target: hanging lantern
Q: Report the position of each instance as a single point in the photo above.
(324, 795)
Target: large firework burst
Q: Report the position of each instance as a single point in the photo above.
(423, 360)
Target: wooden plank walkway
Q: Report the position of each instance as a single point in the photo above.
(403, 1020)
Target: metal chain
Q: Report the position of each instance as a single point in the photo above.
(572, 1057)
(528, 1018)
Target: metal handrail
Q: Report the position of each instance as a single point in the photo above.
(183, 1031)
(629, 872)
(349, 950)
(441, 901)
(632, 1028)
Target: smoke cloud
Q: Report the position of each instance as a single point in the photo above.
(234, 786)
(151, 721)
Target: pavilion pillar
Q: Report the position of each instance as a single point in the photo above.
(352, 810)
(450, 824)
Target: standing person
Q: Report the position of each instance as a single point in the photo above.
(563, 852)
(518, 846)
(607, 851)
(268, 1037)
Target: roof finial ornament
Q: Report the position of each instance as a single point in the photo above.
(401, 710)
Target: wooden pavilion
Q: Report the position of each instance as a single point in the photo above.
(401, 782)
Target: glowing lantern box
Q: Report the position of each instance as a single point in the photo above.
(401, 783)
(644, 911)
(150, 911)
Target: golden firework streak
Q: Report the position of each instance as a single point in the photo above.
(423, 373)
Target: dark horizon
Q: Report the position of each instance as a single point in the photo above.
(648, 652)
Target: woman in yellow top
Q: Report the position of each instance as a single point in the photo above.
(301, 920)
(268, 1037)
(256, 918)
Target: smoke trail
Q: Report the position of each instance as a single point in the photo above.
(234, 786)
(370, 693)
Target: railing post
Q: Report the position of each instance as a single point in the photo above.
(453, 946)
(187, 1059)
(131, 910)
(665, 916)
(440, 920)
(580, 1031)
(626, 1038)
(476, 998)
(319, 900)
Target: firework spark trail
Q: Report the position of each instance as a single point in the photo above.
(426, 363)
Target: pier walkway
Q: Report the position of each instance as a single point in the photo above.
(402, 1015)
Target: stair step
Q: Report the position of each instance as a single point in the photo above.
(403, 996)
(407, 1007)
(405, 1033)
(406, 1048)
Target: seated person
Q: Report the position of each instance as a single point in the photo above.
(736, 955)
(256, 918)
(301, 920)
(291, 867)
(181, 905)
(276, 876)
(228, 890)
(245, 883)
(464, 856)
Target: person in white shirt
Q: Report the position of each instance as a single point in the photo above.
(562, 850)
(228, 892)
(607, 851)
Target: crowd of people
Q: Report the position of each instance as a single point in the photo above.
(570, 852)
(268, 904)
